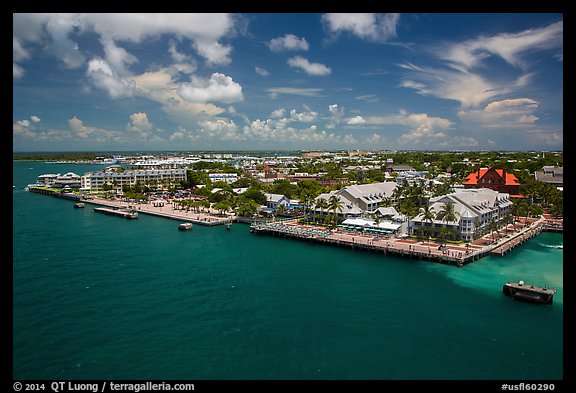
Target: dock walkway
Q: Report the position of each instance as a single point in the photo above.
(458, 255)
(166, 212)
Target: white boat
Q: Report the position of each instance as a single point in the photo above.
(79, 205)
(185, 226)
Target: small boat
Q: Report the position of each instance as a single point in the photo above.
(185, 226)
(529, 293)
(79, 205)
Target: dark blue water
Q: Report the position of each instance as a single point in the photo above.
(100, 297)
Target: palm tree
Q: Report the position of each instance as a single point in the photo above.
(427, 212)
(307, 200)
(376, 219)
(322, 204)
(334, 203)
(447, 213)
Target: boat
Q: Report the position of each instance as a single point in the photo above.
(529, 293)
(185, 226)
(79, 205)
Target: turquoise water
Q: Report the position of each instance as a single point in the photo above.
(100, 297)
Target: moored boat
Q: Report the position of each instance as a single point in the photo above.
(185, 226)
(529, 293)
(79, 205)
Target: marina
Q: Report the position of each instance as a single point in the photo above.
(383, 242)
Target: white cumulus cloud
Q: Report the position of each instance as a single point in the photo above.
(371, 27)
(219, 88)
(316, 69)
(140, 124)
(288, 42)
(356, 120)
(104, 77)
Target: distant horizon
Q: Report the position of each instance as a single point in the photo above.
(282, 150)
(288, 81)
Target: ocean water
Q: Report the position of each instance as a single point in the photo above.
(101, 297)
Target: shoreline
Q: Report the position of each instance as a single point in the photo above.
(167, 210)
(458, 255)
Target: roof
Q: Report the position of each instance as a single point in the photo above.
(276, 197)
(469, 203)
(347, 206)
(372, 192)
(386, 211)
(371, 223)
(473, 178)
(550, 175)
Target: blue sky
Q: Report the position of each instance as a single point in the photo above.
(428, 81)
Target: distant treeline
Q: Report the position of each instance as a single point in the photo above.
(88, 156)
(57, 156)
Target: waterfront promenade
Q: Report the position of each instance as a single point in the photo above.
(167, 209)
(496, 243)
(454, 254)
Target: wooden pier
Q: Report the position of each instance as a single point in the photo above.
(458, 255)
(535, 229)
(369, 243)
(121, 212)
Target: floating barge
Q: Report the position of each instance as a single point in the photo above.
(529, 293)
(129, 213)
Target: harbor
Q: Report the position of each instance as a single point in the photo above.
(457, 254)
(298, 297)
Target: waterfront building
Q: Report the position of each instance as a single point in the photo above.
(495, 179)
(228, 178)
(475, 210)
(275, 200)
(347, 207)
(67, 180)
(552, 175)
(359, 199)
(156, 179)
(368, 196)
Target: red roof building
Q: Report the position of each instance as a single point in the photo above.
(494, 179)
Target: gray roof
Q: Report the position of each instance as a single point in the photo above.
(347, 206)
(372, 192)
(469, 203)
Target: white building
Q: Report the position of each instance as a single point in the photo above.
(228, 178)
(158, 179)
(69, 179)
(275, 200)
(475, 210)
(347, 208)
